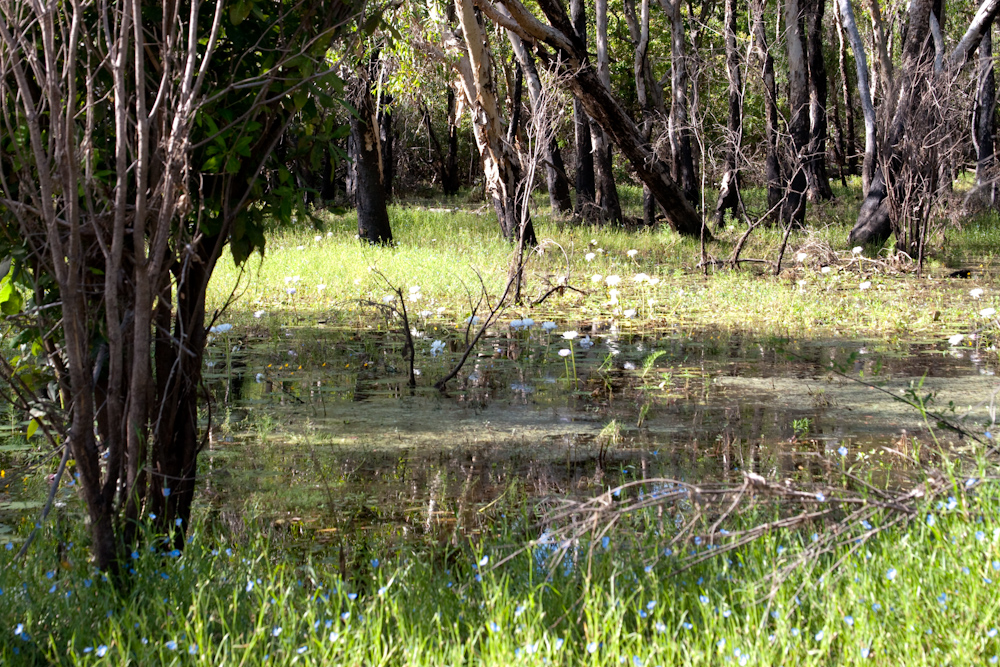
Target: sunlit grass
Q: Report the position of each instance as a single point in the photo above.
(915, 594)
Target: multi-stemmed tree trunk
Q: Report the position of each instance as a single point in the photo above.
(679, 126)
(849, 140)
(729, 192)
(555, 171)
(984, 121)
(794, 206)
(606, 200)
(819, 181)
(904, 185)
(501, 165)
(850, 26)
(586, 182)
(772, 165)
(598, 101)
(369, 189)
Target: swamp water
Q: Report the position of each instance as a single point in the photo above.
(318, 429)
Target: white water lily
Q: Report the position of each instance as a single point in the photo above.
(857, 250)
(614, 296)
(976, 293)
(586, 343)
(956, 339)
(988, 312)
(437, 347)
(611, 281)
(632, 253)
(425, 314)
(641, 278)
(221, 328)
(472, 319)
(801, 257)
(318, 237)
(565, 353)
(570, 335)
(320, 288)
(259, 313)
(865, 285)
(596, 278)
(388, 298)
(630, 313)
(548, 326)
(654, 281)
(589, 256)
(825, 269)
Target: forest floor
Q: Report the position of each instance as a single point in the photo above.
(911, 581)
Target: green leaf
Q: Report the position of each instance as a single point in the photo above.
(238, 11)
(32, 427)
(5, 268)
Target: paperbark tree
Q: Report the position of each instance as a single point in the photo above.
(984, 120)
(124, 212)
(772, 165)
(729, 192)
(850, 26)
(586, 181)
(606, 199)
(794, 206)
(849, 138)
(819, 181)
(679, 126)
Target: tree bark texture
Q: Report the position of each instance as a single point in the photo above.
(819, 181)
(369, 196)
(850, 140)
(775, 189)
(984, 120)
(387, 138)
(606, 200)
(794, 206)
(868, 109)
(555, 172)
(501, 165)
(586, 182)
(729, 192)
(679, 126)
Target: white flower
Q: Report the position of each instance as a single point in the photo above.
(976, 293)
(320, 288)
(260, 378)
(611, 281)
(301, 247)
(857, 250)
(472, 319)
(865, 285)
(388, 298)
(801, 283)
(596, 278)
(210, 364)
(825, 269)
(329, 234)
(259, 313)
(548, 326)
(640, 278)
(956, 339)
(988, 312)
(440, 310)
(318, 237)
(614, 296)
(654, 281)
(564, 352)
(632, 253)
(415, 289)
(586, 343)
(221, 328)
(593, 242)
(293, 353)
(570, 335)
(801, 257)
(437, 347)
(629, 313)
(425, 314)
(589, 256)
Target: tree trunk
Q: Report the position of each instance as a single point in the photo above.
(867, 108)
(885, 70)
(586, 182)
(794, 207)
(984, 120)
(449, 179)
(819, 181)
(501, 165)
(386, 140)
(369, 196)
(729, 192)
(607, 200)
(775, 191)
(850, 140)
(555, 171)
(679, 128)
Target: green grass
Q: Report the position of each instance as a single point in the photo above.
(445, 253)
(918, 594)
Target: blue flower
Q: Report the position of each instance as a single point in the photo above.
(876, 606)
(484, 561)
(721, 643)
(994, 660)
(302, 649)
(930, 520)
(559, 643)
(992, 632)
(249, 586)
(174, 553)
(980, 535)
(795, 632)
(193, 649)
(171, 645)
(166, 492)
(605, 542)
(660, 627)
(374, 562)
(592, 647)
(842, 450)
(865, 651)
(866, 525)
(276, 631)
(703, 599)
(820, 497)
(352, 596)
(819, 636)
(651, 604)
(346, 615)
(891, 574)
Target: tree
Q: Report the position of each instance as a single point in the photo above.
(772, 166)
(137, 142)
(586, 181)
(729, 192)
(607, 191)
(984, 119)
(369, 164)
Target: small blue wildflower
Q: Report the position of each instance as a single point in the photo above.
(891, 574)
(249, 586)
(193, 649)
(651, 604)
(992, 632)
(795, 632)
(166, 492)
(876, 606)
(703, 599)
(605, 542)
(374, 562)
(352, 596)
(559, 643)
(820, 497)
(721, 643)
(660, 627)
(171, 645)
(484, 561)
(175, 553)
(865, 651)
(686, 625)
(346, 615)
(842, 450)
(302, 649)
(819, 636)
(866, 525)
(648, 569)
(178, 522)
(930, 520)
(135, 555)
(980, 536)
(592, 647)
(994, 660)
(276, 631)
(334, 636)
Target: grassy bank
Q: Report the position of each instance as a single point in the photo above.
(648, 277)
(922, 593)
